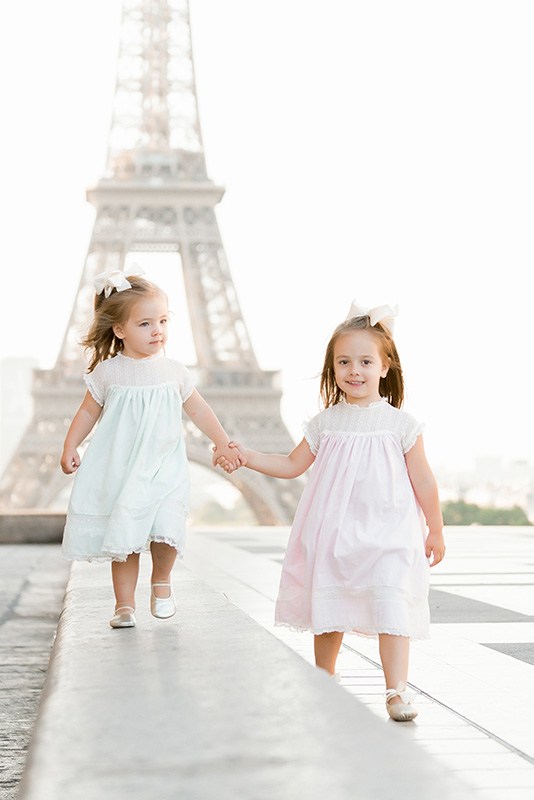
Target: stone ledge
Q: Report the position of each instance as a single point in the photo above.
(205, 706)
(35, 526)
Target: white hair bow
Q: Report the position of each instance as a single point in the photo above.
(116, 279)
(383, 314)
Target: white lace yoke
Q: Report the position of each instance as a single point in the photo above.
(379, 417)
(138, 372)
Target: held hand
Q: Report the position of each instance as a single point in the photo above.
(70, 461)
(241, 452)
(230, 457)
(435, 547)
(227, 457)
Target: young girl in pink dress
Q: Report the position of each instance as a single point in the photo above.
(359, 552)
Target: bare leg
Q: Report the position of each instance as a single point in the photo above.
(124, 575)
(394, 654)
(327, 647)
(163, 558)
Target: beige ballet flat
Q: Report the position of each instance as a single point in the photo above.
(400, 712)
(124, 617)
(162, 607)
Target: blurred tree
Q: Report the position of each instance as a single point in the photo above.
(461, 513)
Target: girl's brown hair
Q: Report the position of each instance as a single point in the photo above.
(391, 387)
(110, 311)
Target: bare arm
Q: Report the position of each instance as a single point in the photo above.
(279, 466)
(206, 421)
(426, 491)
(81, 426)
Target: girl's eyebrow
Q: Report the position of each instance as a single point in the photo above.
(357, 357)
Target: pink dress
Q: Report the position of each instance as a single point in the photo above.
(356, 558)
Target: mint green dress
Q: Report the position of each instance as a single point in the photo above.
(132, 487)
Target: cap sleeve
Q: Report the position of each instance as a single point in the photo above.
(186, 382)
(312, 433)
(96, 385)
(411, 430)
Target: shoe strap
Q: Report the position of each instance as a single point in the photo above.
(401, 692)
(125, 608)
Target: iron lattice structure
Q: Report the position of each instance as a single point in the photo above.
(156, 196)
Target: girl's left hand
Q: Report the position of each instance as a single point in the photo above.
(435, 547)
(232, 460)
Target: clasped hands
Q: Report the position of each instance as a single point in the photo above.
(230, 457)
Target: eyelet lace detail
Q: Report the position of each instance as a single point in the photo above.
(378, 418)
(126, 372)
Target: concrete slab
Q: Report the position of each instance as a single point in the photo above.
(206, 705)
(32, 585)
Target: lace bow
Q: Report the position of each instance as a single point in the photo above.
(116, 279)
(383, 314)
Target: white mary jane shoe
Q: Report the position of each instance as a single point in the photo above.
(124, 617)
(162, 607)
(400, 712)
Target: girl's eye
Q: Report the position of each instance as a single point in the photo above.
(163, 321)
(143, 324)
(366, 362)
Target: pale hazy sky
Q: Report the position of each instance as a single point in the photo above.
(377, 150)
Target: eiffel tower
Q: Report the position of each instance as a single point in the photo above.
(155, 197)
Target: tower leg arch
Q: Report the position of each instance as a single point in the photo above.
(264, 495)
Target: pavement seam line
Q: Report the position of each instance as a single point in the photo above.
(457, 714)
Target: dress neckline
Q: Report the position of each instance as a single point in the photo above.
(364, 408)
(145, 358)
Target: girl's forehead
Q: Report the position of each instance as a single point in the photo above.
(360, 341)
(151, 305)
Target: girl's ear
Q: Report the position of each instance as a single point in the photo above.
(385, 368)
(118, 331)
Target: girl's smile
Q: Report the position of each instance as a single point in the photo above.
(358, 367)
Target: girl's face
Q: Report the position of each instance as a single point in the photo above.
(145, 331)
(358, 367)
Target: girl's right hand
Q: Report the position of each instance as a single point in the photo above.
(242, 457)
(223, 462)
(241, 451)
(70, 461)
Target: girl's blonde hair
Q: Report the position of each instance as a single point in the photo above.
(391, 387)
(110, 311)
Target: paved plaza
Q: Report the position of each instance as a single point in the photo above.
(32, 585)
(475, 673)
(473, 676)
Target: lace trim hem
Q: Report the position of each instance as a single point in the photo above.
(122, 555)
(349, 629)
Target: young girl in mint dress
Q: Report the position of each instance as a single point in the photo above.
(131, 491)
(358, 555)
